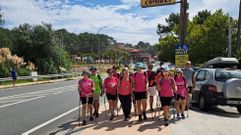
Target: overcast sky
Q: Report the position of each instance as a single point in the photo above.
(127, 22)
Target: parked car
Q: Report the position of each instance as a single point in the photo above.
(222, 62)
(217, 86)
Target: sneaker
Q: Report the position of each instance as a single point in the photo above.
(83, 123)
(178, 117)
(140, 118)
(144, 116)
(183, 116)
(126, 119)
(112, 116)
(91, 118)
(166, 122)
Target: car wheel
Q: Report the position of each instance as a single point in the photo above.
(239, 109)
(203, 106)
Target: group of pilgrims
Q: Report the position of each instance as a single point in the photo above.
(133, 89)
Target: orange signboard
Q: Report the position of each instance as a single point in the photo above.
(153, 3)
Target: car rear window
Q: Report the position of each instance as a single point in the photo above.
(224, 74)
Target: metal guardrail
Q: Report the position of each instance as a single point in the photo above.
(52, 76)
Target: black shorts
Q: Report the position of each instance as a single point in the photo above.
(111, 97)
(190, 89)
(178, 97)
(166, 101)
(84, 100)
(140, 95)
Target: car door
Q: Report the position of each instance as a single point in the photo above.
(200, 80)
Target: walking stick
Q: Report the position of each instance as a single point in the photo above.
(117, 110)
(79, 109)
(174, 116)
(105, 106)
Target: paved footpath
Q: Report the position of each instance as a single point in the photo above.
(219, 121)
(120, 127)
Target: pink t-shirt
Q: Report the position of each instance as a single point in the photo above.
(125, 87)
(166, 87)
(140, 81)
(181, 86)
(86, 87)
(111, 85)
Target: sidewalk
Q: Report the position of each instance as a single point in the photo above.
(118, 126)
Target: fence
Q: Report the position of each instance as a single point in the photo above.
(48, 76)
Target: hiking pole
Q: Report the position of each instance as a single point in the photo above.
(174, 101)
(187, 104)
(157, 105)
(105, 106)
(117, 94)
(79, 109)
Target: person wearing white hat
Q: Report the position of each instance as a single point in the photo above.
(188, 73)
(181, 93)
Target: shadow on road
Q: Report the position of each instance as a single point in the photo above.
(72, 127)
(218, 111)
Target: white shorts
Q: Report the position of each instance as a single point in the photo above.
(152, 91)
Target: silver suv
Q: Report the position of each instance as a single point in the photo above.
(217, 86)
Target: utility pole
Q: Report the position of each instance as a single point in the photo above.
(230, 38)
(239, 23)
(183, 21)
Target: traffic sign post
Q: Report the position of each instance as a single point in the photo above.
(181, 55)
(184, 6)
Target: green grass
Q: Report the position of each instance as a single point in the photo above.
(17, 82)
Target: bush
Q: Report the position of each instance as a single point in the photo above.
(4, 71)
(22, 72)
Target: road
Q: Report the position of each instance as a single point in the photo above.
(53, 109)
(23, 108)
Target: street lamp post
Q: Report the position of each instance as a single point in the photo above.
(99, 42)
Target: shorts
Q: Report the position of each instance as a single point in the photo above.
(96, 97)
(166, 101)
(14, 78)
(190, 89)
(111, 97)
(152, 91)
(140, 95)
(178, 97)
(84, 100)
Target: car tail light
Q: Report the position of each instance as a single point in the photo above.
(212, 88)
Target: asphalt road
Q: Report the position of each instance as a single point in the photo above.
(24, 108)
(53, 108)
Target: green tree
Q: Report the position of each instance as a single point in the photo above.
(171, 27)
(207, 36)
(166, 48)
(38, 44)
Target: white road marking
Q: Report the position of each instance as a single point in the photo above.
(14, 96)
(49, 121)
(6, 105)
(36, 97)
